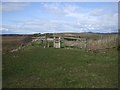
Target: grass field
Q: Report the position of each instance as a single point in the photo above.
(12, 42)
(60, 68)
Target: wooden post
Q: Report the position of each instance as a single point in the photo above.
(54, 41)
(48, 44)
(86, 44)
(59, 43)
(45, 40)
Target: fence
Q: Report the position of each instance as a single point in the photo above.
(103, 42)
(99, 42)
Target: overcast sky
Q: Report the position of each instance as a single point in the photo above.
(39, 17)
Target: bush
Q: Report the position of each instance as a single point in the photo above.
(36, 44)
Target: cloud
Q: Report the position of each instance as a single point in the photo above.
(3, 29)
(74, 18)
(41, 27)
(48, 26)
(13, 6)
(60, 0)
(59, 8)
(84, 15)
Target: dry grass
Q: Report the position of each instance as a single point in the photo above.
(12, 42)
(103, 43)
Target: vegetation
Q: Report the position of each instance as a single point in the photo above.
(49, 68)
(35, 66)
(12, 42)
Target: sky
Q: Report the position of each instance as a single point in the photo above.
(56, 17)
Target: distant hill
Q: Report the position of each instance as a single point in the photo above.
(65, 33)
(16, 34)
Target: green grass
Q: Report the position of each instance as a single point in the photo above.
(59, 68)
